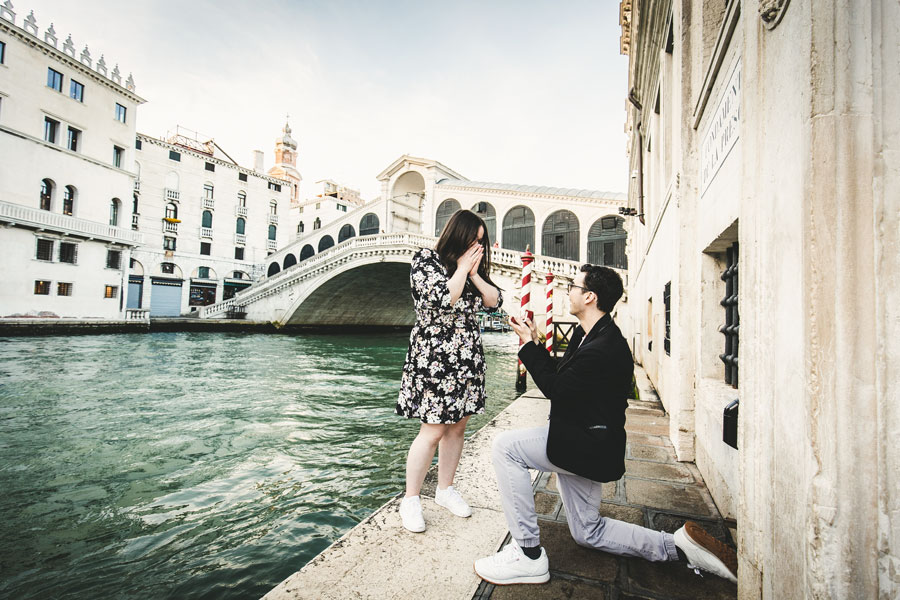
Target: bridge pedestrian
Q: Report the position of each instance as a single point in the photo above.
(443, 377)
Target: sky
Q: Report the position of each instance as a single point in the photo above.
(525, 92)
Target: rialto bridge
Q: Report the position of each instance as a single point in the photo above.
(355, 270)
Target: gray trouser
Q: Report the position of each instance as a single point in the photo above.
(517, 451)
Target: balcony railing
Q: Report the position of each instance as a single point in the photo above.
(169, 227)
(273, 219)
(134, 220)
(206, 232)
(271, 245)
(42, 219)
(240, 239)
(241, 211)
(173, 195)
(209, 203)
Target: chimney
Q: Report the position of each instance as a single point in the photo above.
(259, 158)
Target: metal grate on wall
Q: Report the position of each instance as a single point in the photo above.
(732, 319)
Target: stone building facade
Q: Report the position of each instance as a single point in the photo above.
(763, 251)
(67, 130)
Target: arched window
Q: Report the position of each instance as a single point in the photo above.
(242, 200)
(208, 191)
(171, 211)
(306, 252)
(346, 233)
(444, 212)
(206, 219)
(289, 260)
(240, 225)
(606, 242)
(559, 237)
(273, 268)
(114, 212)
(134, 206)
(488, 213)
(368, 225)
(326, 242)
(273, 207)
(300, 227)
(46, 194)
(69, 200)
(518, 229)
(317, 223)
(272, 232)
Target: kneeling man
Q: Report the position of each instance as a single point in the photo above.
(584, 443)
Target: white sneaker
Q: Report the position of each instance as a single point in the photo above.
(452, 501)
(510, 565)
(705, 552)
(411, 514)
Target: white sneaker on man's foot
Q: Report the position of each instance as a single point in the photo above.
(411, 514)
(510, 565)
(452, 501)
(705, 552)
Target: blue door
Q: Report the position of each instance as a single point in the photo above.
(135, 291)
(165, 299)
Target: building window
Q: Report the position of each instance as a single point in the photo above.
(667, 303)
(341, 207)
(74, 137)
(138, 144)
(301, 210)
(242, 200)
(68, 200)
(238, 253)
(206, 219)
(273, 207)
(171, 211)
(44, 250)
(210, 166)
(317, 223)
(46, 193)
(169, 243)
(205, 248)
(167, 268)
(117, 156)
(42, 287)
(120, 113)
(2, 53)
(76, 90)
(63, 289)
(300, 227)
(174, 156)
(54, 79)
(208, 191)
(272, 231)
(51, 127)
(242, 177)
(114, 212)
(275, 186)
(240, 226)
(318, 205)
(732, 320)
(203, 272)
(113, 259)
(111, 291)
(68, 252)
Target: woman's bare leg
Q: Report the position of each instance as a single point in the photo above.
(421, 453)
(449, 451)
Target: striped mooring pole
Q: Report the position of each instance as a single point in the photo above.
(549, 330)
(527, 259)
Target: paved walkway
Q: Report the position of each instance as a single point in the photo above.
(379, 559)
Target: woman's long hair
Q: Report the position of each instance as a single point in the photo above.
(459, 233)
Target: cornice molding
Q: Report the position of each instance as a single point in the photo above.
(594, 201)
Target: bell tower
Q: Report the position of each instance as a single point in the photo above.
(286, 161)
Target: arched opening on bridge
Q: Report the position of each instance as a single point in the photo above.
(518, 229)
(488, 213)
(346, 233)
(326, 242)
(289, 260)
(369, 224)
(559, 237)
(273, 268)
(306, 252)
(606, 242)
(409, 183)
(444, 211)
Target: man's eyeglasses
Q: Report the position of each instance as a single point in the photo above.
(572, 285)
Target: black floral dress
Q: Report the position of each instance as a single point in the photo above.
(443, 377)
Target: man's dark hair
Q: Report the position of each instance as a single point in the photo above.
(604, 282)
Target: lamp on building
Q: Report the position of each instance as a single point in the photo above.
(629, 212)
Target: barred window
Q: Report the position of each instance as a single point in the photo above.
(42, 287)
(63, 289)
(44, 249)
(111, 291)
(113, 259)
(68, 252)
(732, 319)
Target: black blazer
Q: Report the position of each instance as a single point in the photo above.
(588, 393)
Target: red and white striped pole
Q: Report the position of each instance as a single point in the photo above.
(550, 338)
(527, 259)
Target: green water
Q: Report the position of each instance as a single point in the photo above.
(189, 465)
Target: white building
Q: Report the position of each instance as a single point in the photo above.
(331, 202)
(206, 222)
(764, 252)
(67, 130)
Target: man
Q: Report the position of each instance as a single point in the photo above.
(584, 443)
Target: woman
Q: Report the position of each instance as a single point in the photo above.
(443, 378)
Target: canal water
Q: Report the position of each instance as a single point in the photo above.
(197, 465)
